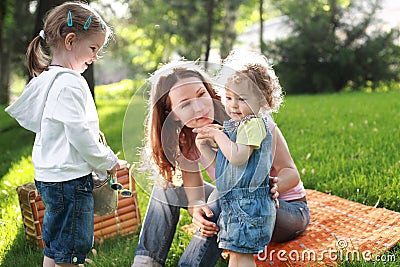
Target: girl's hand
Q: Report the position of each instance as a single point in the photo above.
(208, 132)
(206, 135)
(200, 216)
(114, 170)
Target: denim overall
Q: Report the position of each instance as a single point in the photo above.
(248, 212)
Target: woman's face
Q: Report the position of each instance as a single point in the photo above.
(191, 103)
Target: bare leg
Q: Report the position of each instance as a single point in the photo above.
(48, 262)
(241, 259)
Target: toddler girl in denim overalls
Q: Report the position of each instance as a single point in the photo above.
(243, 163)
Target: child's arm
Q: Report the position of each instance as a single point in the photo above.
(236, 154)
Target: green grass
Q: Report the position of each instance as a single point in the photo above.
(346, 144)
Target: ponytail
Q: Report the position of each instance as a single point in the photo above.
(37, 58)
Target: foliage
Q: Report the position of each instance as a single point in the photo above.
(381, 86)
(156, 31)
(15, 31)
(334, 43)
(327, 52)
(121, 90)
(349, 147)
(140, 41)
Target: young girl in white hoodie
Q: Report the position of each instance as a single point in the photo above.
(57, 105)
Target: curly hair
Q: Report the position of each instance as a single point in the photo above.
(262, 79)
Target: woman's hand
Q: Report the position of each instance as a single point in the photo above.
(200, 215)
(273, 184)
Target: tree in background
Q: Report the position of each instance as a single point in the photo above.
(334, 43)
(228, 32)
(328, 49)
(157, 30)
(150, 33)
(3, 86)
(20, 21)
(15, 32)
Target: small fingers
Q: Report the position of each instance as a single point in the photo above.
(217, 127)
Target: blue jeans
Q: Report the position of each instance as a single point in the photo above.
(292, 219)
(159, 227)
(162, 216)
(68, 219)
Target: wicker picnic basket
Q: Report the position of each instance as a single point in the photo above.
(124, 220)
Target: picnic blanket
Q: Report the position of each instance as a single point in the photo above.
(339, 230)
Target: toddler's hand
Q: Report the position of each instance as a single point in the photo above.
(208, 132)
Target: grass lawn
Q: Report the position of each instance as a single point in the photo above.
(346, 144)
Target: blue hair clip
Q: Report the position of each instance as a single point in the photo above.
(102, 25)
(87, 23)
(69, 19)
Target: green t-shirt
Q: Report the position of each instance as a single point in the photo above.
(251, 132)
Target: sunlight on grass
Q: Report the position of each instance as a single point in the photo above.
(346, 144)
(10, 220)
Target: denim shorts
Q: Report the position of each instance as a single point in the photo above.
(68, 220)
(247, 221)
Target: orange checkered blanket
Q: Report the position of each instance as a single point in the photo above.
(339, 230)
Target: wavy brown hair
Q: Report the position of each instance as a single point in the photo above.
(167, 143)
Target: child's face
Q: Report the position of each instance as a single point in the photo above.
(241, 101)
(84, 51)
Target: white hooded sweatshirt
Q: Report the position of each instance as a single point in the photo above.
(58, 106)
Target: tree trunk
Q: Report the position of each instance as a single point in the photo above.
(229, 32)
(262, 43)
(210, 12)
(43, 7)
(4, 88)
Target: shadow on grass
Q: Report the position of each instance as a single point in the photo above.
(21, 253)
